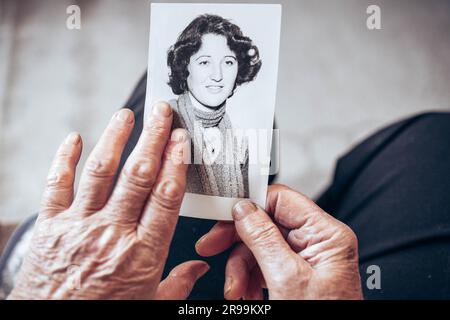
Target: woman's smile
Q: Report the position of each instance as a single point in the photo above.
(214, 89)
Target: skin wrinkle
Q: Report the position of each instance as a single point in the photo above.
(119, 248)
(142, 174)
(159, 224)
(240, 260)
(326, 266)
(101, 168)
(157, 129)
(286, 214)
(283, 275)
(89, 204)
(57, 204)
(307, 236)
(166, 195)
(63, 179)
(122, 216)
(111, 270)
(330, 251)
(182, 276)
(119, 259)
(108, 269)
(150, 232)
(262, 233)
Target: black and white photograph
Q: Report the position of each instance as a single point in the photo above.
(211, 62)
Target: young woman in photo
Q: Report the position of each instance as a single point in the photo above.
(209, 60)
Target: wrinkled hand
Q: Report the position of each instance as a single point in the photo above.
(111, 243)
(299, 253)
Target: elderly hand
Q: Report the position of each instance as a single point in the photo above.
(301, 253)
(112, 243)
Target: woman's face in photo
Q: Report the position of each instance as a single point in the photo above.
(212, 71)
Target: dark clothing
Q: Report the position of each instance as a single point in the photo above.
(393, 190)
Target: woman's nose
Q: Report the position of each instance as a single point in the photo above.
(216, 73)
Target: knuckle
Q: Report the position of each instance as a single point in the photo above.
(55, 199)
(101, 167)
(351, 237)
(263, 233)
(49, 204)
(184, 286)
(238, 264)
(299, 240)
(347, 234)
(61, 177)
(169, 194)
(157, 128)
(348, 240)
(141, 172)
(64, 155)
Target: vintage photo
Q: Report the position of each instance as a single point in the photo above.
(208, 63)
(216, 65)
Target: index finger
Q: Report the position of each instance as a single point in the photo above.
(221, 237)
(290, 208)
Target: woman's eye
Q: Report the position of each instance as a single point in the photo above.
(203, 63)
(229, 62)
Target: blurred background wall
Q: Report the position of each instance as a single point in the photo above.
(338, 81)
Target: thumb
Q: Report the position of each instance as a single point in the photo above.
(257, 230)
(181, 280)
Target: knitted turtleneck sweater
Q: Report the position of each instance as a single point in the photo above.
(219, 167)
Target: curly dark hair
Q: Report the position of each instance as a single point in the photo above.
(190, 41)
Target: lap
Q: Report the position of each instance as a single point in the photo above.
(392, 190)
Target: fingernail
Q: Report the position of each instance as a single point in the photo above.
(204, 269)
(162, 109)
(125, 115)
(200, 240)
(242, 209)
(73, 138)
(228, 285)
